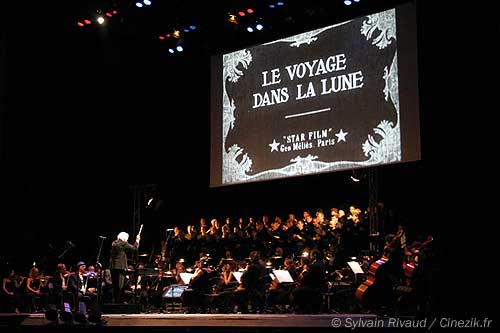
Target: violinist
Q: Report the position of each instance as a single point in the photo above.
(11, 297)
(60, 283)
(307, 297)
(91, 275)
(32, 289)
(105, 285)
(199, 285)
(78, 284)
(279, 293)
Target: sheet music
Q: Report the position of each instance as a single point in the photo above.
(237, 276)
(356, 268)
(186, 277)
(174, 291)
(283, 276)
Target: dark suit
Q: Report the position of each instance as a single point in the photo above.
(118, 265)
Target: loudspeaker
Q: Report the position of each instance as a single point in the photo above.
(120, 308)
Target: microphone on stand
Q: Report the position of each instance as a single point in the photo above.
(170, 229)
(70, 244)
(102, 237)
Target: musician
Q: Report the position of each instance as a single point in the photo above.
(120, 248)
(92, 282)
(60, 293)
(78, 285)
(105, 284)
(32, 289)
(279, 293)
(253, 284)
(199, 285)
(307, 297)
(11, 300)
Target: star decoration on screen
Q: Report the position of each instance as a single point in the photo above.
(341, 135)
(274, 145)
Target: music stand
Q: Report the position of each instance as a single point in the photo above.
(174, 291)
(186, 277)
(283, 276)
(356, 269)
(237, 276)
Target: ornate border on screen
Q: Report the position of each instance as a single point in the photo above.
(235, 168)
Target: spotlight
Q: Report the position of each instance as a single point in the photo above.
(347, 2)
(356, 177)
(100, 20)
(232, 19)
(138, 4)
(147, 2)
(259, 26)
(179, 48)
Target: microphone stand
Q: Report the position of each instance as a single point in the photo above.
(69, 246)
(101, 271)
(101, 242)
(169, 235)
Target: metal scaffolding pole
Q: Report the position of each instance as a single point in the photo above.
(372, 204)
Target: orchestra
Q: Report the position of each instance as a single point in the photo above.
(233, 267)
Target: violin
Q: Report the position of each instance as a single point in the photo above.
(66, 275)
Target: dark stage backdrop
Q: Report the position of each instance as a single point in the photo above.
(340, 97)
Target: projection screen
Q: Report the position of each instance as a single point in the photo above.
(339, 97)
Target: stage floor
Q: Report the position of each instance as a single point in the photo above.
(194, 322)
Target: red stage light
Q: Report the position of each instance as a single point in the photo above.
(80, 24)
(87, 21)
(249, 10)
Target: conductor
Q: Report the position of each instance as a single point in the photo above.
(118, 263)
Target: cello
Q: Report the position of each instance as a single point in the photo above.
(375, 266)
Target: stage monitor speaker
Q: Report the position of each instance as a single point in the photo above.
(114, 308)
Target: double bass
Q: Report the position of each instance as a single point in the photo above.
(411, 261)
(375, 268)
